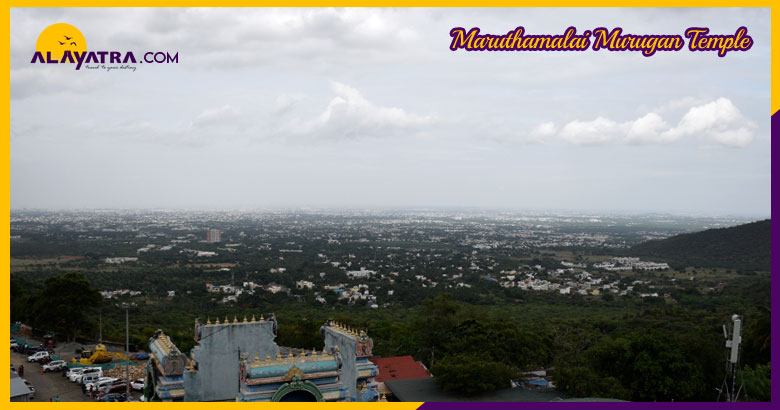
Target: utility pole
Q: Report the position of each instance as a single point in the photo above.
(126, 307)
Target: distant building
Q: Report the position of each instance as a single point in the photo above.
(121, 259)
(304, 284)
(213, 236)
(362, 273)
(275, 288)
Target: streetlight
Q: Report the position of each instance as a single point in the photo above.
(126, 307)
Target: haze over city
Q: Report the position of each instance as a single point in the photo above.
(369, 108)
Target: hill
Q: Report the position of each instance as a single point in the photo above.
(744, 248)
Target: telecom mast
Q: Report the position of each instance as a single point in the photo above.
(733, 334)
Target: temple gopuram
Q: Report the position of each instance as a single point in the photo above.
(165, 370)
(239, 360)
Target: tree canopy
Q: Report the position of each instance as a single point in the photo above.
(63, 304)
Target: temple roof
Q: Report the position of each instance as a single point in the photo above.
(349, 331)
(162, 342)
(303, 356)
(399, 368)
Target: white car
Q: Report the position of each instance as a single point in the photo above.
(36, 357)
(72, 372)
(14, 344)
(137, 384)
(69, 371)
(74, 375)
(101, 383)
(54, 366)
(89, 376)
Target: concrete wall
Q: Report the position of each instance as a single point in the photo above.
(346, 344)
(218, 353)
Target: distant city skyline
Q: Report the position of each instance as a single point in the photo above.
(354, 108)
(414, 210)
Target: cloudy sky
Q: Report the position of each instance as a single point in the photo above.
(369, 107)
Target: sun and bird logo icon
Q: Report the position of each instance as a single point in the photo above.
(73, 43)
(59, 37)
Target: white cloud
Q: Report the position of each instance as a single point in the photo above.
(543, 131)
(36, 80)
(734, 138)
(596, 132)
(285, 102)
(350, 115)
(214, 116)
(646, 129)
(234, 38)
(717, 122)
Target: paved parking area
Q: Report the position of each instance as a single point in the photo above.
(50, 385)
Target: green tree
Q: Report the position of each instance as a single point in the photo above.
(435, 326)
(758, 382)
(758, 337)
(502, 340)
(63, 304)
(470, 374)
(646, 365)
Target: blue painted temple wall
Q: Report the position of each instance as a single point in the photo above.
(218, 354)
(346, 345)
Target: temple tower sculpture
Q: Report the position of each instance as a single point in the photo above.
(357, 371)
(165, 370)
(309, 376)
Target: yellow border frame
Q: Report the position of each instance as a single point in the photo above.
(6, 123)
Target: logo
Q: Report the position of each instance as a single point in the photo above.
(62, 43)
(58, 38)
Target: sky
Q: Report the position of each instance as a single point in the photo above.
(370, 108)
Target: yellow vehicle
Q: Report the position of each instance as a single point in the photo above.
(98, 356)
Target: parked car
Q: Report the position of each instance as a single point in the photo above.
(55, 366)
(137, 384)
(72, 372)
(139, 356)
(103, 379)
(30, 349)
(32, 388)
(100, 384)
(38, 356)
(119, 386)
(69, 371)
(75, 374)
(89, 377)
(112, 397)
(14, 344)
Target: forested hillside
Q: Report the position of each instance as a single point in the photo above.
(744, 248)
